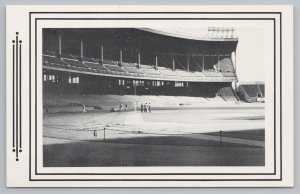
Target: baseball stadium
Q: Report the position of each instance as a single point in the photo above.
(144, 97)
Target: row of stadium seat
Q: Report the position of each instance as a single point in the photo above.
(253, 90)
(227, 94)
(107, 102)
(127, 69)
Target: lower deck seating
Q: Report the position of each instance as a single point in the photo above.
(227, 94)
(107, 102)
(262, 89)
(252, 90)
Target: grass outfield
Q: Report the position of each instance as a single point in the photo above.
(162, 138)
(152, 151)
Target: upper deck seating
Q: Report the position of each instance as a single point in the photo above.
(68, 56)
(89, 59)
(183, 73)
(115, 68)
(167, 71)
(96, 66)
(53, 61)
(75, 63)
(228, 74)
(211, 73)
(107, 62)
(149, 70)
(124, 64)
(131, 69)
(48, 52)
(195, 74)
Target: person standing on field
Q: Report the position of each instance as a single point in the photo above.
(142, 107)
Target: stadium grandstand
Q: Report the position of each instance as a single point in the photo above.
(99, 67)
(252, 91)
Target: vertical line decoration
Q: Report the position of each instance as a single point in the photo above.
(17, 100)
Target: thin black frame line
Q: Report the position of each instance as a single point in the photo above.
(30, 79)
(29, 97)
(275, 112)
(35, 71)
(13, 96)
(152, 12)
(151, 174)
(141, 180)
(17, 99)
(274, 173)
(36, 19)
(154, 18)
(280, 95)
(20, 63)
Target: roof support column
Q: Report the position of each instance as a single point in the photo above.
(203, 60)
(59, 45)
(173, 62)
(121, 57)
(81, 50)
(156, 61)
(101, 54)
(139, 60)
(218, 62)
(188, 63)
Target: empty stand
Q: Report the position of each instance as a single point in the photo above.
(227, 94)
(251, 90)
(54, 61)
(211, 74)
(115, 68)
(96, 66)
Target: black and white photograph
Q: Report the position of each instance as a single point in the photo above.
(153, 97)
(149, 96)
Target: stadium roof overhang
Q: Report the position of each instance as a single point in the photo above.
(203, 38)
(148, 42)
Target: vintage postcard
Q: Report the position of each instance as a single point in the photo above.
(149, 96)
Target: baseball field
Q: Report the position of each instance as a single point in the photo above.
(202, 136)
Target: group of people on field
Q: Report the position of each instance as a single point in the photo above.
(146, 107)
(121, 108)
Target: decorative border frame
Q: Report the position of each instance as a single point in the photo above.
(17, 96)
(275, 113)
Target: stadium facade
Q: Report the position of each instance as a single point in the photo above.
(131, 61)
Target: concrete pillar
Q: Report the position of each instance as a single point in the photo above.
(59, 45)
(218, 61)
(139, 60)
(156, 62)
(81, 50)
(101, 54)
(121, 57)
(203, 60)
(188, 63)
(173, 62)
